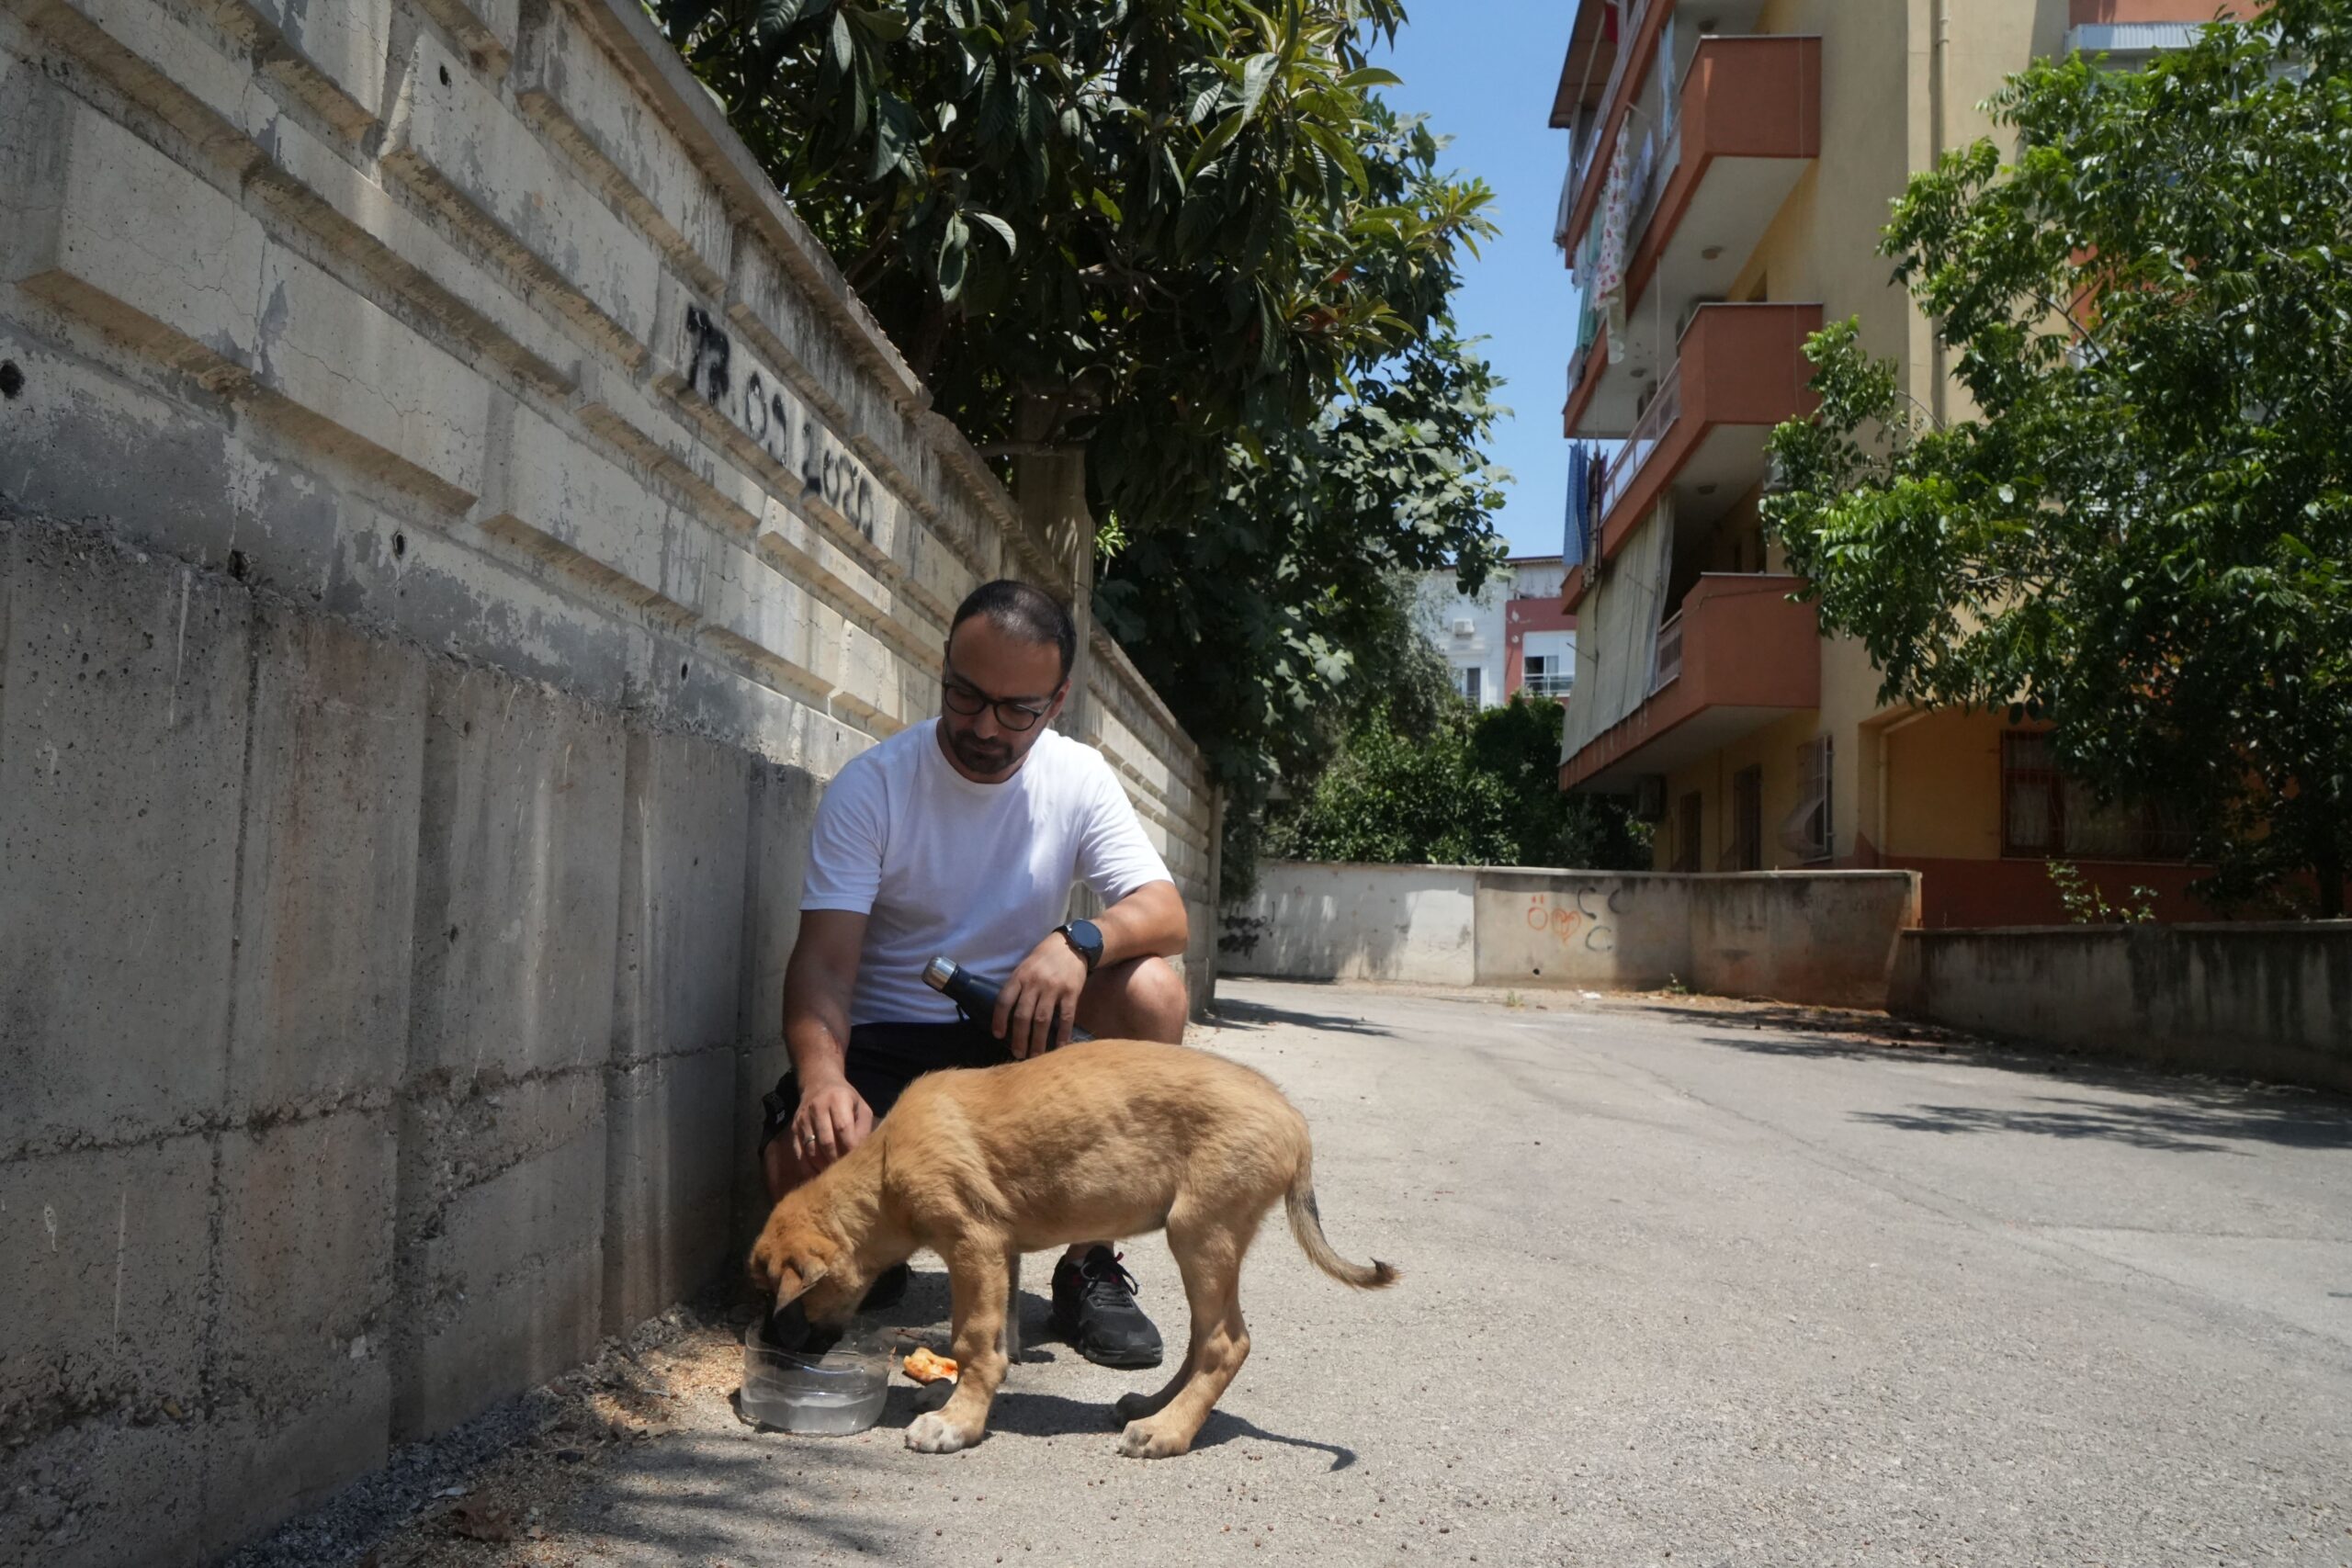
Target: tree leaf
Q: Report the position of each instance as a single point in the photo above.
(953, 255)
(1002, 230)
(1256, 73)
(1214, 143)
(896, 137)
(840, 48)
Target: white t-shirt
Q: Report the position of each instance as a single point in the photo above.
(941, 866)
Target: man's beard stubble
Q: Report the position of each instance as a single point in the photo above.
(985, 757)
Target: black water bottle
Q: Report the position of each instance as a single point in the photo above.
(974, 995)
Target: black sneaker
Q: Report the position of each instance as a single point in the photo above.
(1094, 1310)
(889, 1286)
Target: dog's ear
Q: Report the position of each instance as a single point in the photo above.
(794, 1279)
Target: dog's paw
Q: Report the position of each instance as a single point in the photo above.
(1144, 1440)
(934, 1434)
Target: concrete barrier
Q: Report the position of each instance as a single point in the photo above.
(1826, 938)
(2259, 1000)
(453, 522)
(1359, 922)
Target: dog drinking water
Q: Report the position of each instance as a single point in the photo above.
(1103, 1138)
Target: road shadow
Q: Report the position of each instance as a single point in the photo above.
(1026, 1414)
(1234, 1013)
(2169, 1111)
(2184, 1123)
(1784, 1029)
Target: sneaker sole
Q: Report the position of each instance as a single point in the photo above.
(1124, 1361)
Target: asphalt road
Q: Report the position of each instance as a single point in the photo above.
(1684, 1287)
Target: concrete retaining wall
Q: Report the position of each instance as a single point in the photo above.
(452, 523)
(1359, 922)
(1821, 937)
(2265, 1000)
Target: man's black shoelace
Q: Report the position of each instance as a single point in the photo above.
(1108, 1284)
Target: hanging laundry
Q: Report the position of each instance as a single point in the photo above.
(1572, 542)
(1609, 271)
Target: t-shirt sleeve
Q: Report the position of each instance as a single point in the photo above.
(845, 844)
(1115, 857)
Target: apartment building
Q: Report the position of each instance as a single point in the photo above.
(1513, 634)
(1730, 164)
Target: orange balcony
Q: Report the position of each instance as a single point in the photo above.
(1738, 655)
(1738, 370)
(1749, 122)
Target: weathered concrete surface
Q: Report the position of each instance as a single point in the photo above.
(2253, 1000)
(1826, 938)
(502, 1232)
(327, 884)
(119, 832)
(1324, 921)
(1701, 1283)
(297, 1389)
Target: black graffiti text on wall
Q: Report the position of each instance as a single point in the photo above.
(777, 423)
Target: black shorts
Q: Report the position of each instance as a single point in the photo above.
(883, 1058)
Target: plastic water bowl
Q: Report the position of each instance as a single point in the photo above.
(831, 1395)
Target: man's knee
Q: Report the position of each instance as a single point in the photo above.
(1143, 999)
(1160, 990)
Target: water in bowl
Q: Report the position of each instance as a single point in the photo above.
(830, 1391)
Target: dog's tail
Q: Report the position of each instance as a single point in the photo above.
(1306, 1224)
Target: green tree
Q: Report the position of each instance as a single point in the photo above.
(2142, 530)
(1392, 800)
(1481, 789)
(1284, 606)
(1185, 239)
(1519, 745)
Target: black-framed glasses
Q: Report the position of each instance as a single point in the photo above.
(964, 698)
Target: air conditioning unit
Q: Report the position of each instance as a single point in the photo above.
(1465, 627)
(1649, 797)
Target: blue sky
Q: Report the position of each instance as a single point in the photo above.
(1488, 84)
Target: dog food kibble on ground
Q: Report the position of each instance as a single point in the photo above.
(924, 1365)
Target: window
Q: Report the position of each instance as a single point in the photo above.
(1748, 819)
(1808, 831)
(1687, 822)
(1471, 682)
(2044, 812)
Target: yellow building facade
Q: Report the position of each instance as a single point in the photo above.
(1731, 163)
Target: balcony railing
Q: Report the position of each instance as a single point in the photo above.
(1556, 687)
(1666, 660)
(1648, 430)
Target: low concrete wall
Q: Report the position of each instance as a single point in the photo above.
(2265, 1001)
(453, 522)
(1359, 922)
(1819, 937)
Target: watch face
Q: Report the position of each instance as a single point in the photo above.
(1086, 935)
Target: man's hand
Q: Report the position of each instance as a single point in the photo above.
(1038, 1006)
(833, 1119)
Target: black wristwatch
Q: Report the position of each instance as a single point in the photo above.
(1086, 938)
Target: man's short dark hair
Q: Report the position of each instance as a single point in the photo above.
(1028, 613)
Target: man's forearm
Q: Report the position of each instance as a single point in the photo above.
(818, 1045)
(1150, 922)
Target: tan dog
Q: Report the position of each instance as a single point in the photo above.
(1102, 1138)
